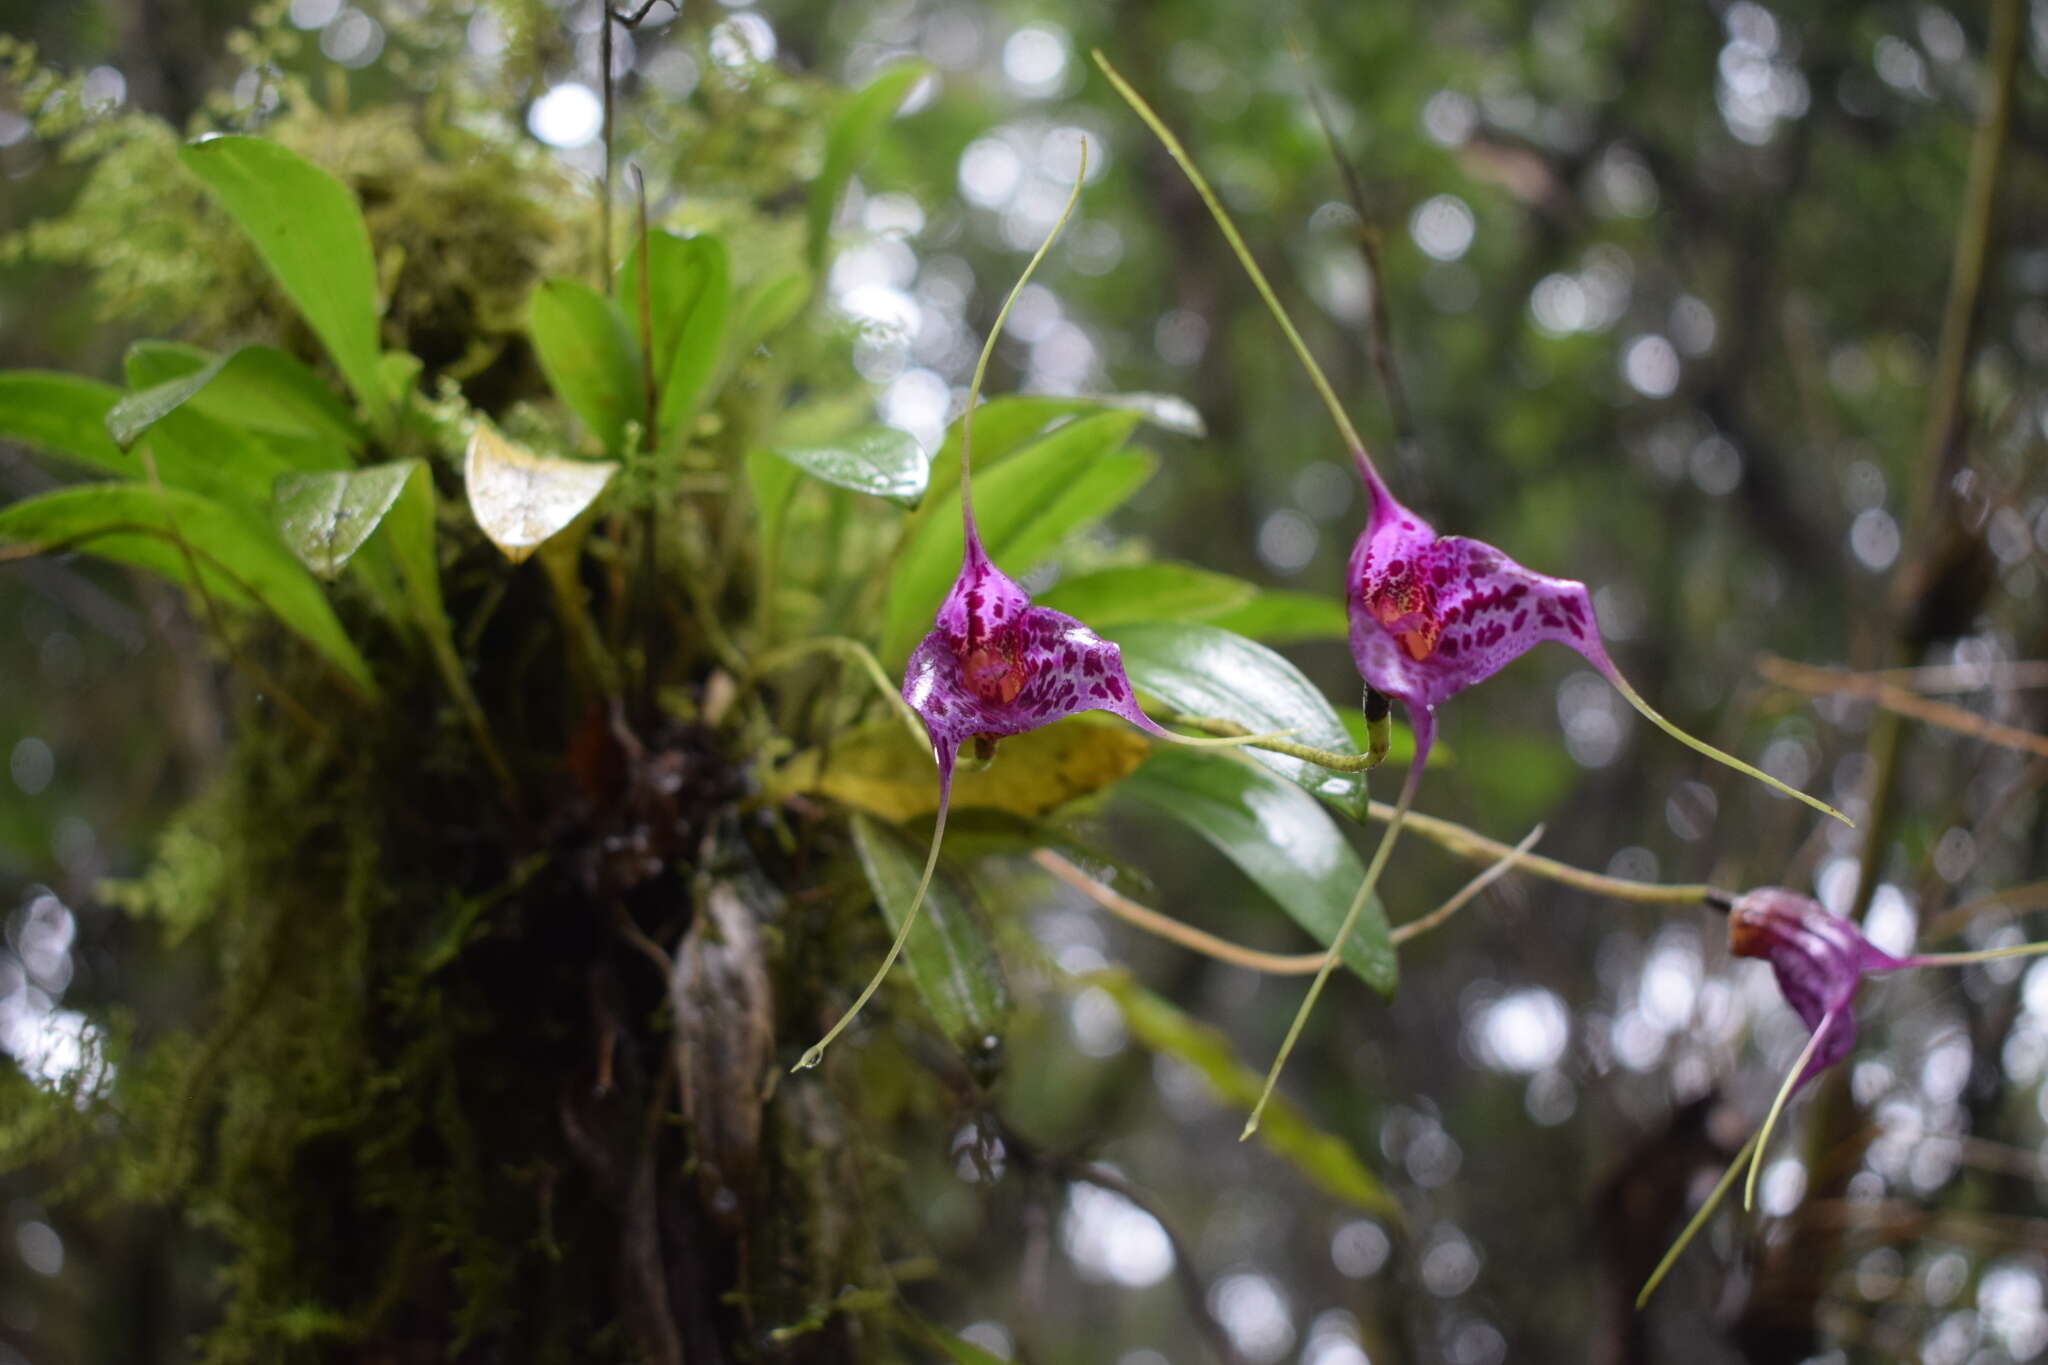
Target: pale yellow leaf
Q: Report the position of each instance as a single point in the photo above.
(519, 498)
(880, 769)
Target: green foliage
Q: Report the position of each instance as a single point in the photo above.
(181, 534)
(1202, 670)
(1280, 838)
(949, 954)
(305, 225)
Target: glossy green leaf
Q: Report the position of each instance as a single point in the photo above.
(152, 361)
(66, 416)
(241, 561)
(259, 388)
(1279, 617)
(520, 499)
(1024, 506)
(1327, 1161)
(769, 306)
(880, 461)
(307, 228)
(589, 357)
(325, 517)
(689, 294)
(1205, 671)
(1002, 426)
(191, 450)
(1157, 591)
(950, 956)
(1280, 838)
(852, 141)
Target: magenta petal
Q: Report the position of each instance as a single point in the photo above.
(1431, 616)
(1819, 960)
(996, 665)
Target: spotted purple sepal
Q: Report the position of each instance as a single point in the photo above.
(995, 665)
(1432, 615)
(1819, 960)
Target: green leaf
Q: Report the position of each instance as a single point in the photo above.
(881, 769)
(66, 416)
(193, 451)
(1157, 591)
(1327, 1161)
(241, 562)
(307, 228)
(1280, 838)
(1025, 505)
(326, 517)
(259, 388)
(1287, 617)
(1205, 671)
(852, 141)
(950, 956)
(689, 295)
(520, 499)
(880, 461)
(589, 358)
(770, 306)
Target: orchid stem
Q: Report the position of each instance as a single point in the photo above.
(1763, 1134)
(1172, 930)
(817, 1052)
(1416, 928)
(988, 347)
(1331, 958)
(1469, 843)
(1255, 959)
(1235, 733)
(1979, 955)
(1243, 252)
(1698, 1221)
(1656, 718)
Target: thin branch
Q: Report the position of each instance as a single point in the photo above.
(1814, 679)
(2014, 900)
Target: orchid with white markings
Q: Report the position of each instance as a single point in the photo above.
(1819, 959)
(1429, 615)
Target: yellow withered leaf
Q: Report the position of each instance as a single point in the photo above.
(519, 498)
(880, 769)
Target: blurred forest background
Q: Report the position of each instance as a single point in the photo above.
(1668, 295)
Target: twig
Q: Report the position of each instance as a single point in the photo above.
(2017, 900)
(1814, 679)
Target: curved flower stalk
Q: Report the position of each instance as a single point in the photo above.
(1430, 615)
(994, 665)
(1819, 959)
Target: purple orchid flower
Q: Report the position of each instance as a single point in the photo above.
(1430, 615)
(994, 665)
(1433, 615)
(1819, 959)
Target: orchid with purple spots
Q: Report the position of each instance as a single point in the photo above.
(1819, 959)
(995, 665)
(1429, 615)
